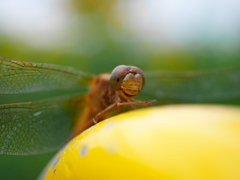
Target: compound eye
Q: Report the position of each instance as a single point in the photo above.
(118, 75)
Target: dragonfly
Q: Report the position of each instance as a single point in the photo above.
(45, 125)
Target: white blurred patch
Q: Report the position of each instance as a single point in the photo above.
(168, 22)
(177, 22)
(40, 22)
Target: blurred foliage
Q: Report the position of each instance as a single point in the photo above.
(23, 167)
(98, 42)
(104, 7)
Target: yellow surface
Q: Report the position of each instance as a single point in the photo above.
(187, 142)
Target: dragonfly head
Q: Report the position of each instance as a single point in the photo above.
(127, 81)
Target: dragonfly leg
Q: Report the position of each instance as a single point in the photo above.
(135, 102)
(132, 107)
(100, 115)
(112, 107)
(121, 109)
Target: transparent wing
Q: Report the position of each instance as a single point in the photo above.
(215, 86)
(36, 127)
(25, 77)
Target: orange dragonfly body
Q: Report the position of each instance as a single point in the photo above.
(103, 98)
(45, 125)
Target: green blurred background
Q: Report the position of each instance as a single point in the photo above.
(97, 35)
